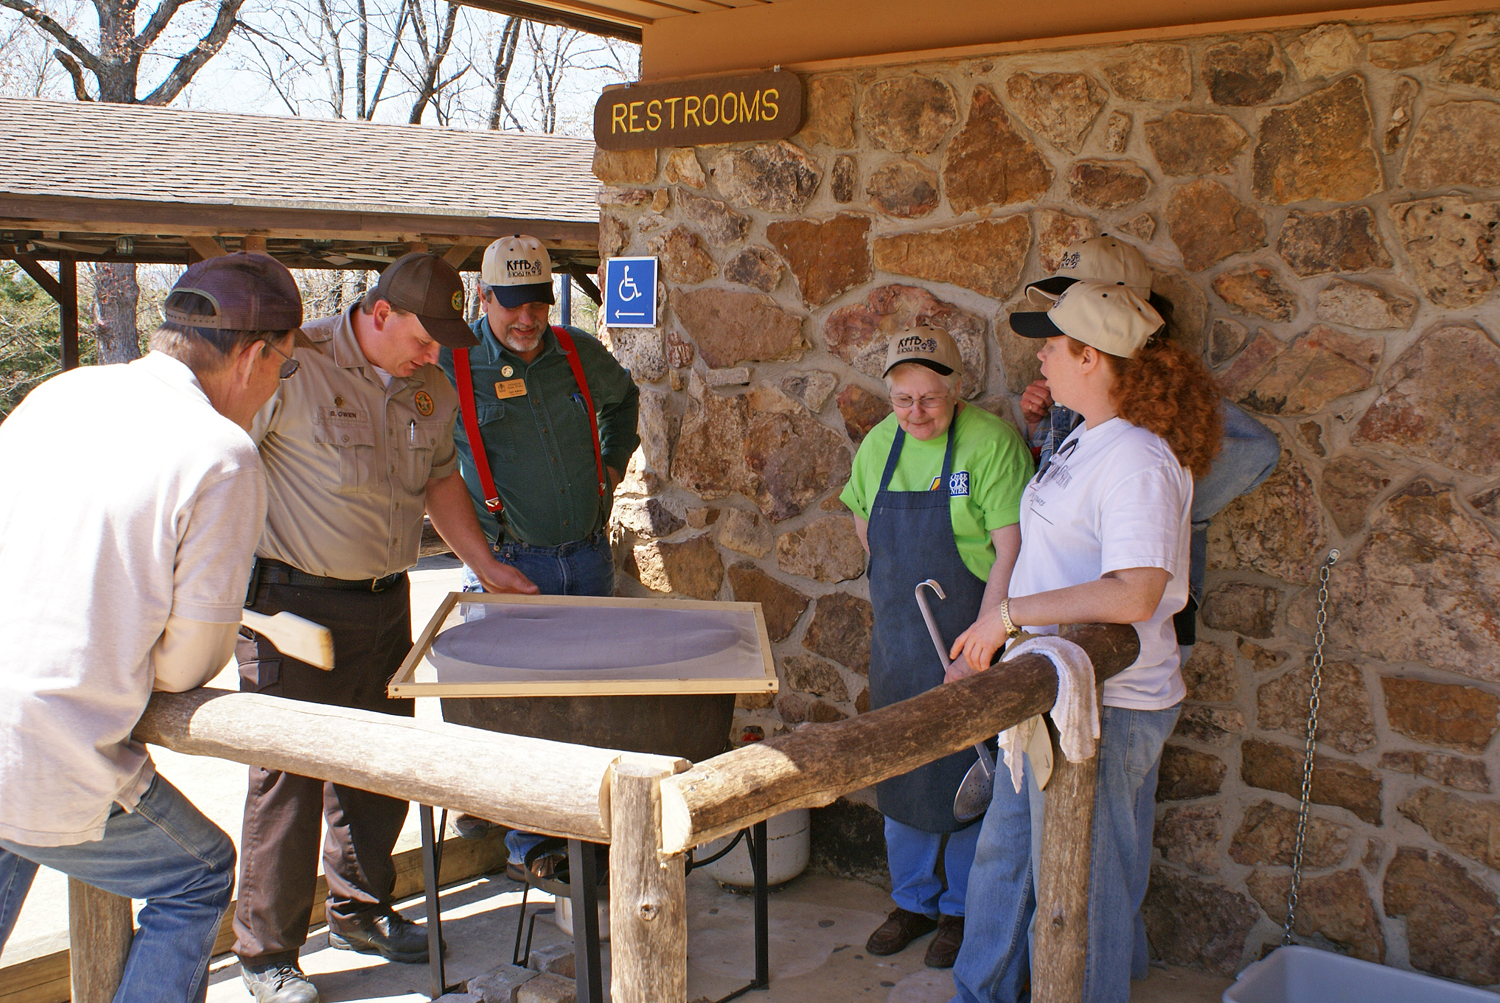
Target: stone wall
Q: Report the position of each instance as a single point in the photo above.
(1322, 207)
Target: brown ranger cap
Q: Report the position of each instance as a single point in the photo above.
(249, 291)
(426, 285)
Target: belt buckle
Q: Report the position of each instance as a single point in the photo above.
(379, 584)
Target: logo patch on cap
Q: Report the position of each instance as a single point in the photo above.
(916, 343)
(424, 403)
(523, 268)
(458, 301)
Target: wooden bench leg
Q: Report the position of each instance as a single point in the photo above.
(647, 895)
(1062, 906)
(100, 929)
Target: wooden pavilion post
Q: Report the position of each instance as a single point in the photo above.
(67, 305)
(100, 930)
(1062, 899)
(647, 894)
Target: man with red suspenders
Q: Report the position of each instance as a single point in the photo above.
(554, 418)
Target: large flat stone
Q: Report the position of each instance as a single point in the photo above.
(858, 334)
(1350, 484)
(1450, 771)
(987, 256)
(1450, 917)
(1302, 376)
(1268, 835)
(1320, 147)
(758, 267)
(826, 550)
(1326, 51)
(1450, 243)
(1339, 240)
(1461, 824)
(1438, 401)
(840, 630)
(1277, 529)
(1336, 782)
(1148, 72)
(1210, 725)
(812, 387)
(1409, 50)
(903, 188)
(1336, 906)
(1365, 305)
(1464, 718)
(625, 167)
(1457, 143)
(843, 178)
(829, 120)
(1209, 673)
(861, 411)
(1255, 290)
(908, 114)
(499, 985)
(810, 674)
(1186, 773)
(1058, 106)
(1243, 72)
(1208, 224)
(1345, 718)
(827, 256)
(719, 223)
(1188, 836)
(1190, 144)
(772, 177)
(646, 517)
(1242, 607)
(691, 568)
(682, 168)
(989, 162)
(700, 461)
(746, 533)
(795, 458)
(1108, 184)
(640, 350)
(683, 258)
(779, 602)
(732, 327)
(1473, 68)
(1192, 922)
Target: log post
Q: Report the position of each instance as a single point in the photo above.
(647, 894)
(1062, 897)
(67, 305)
(100, 929)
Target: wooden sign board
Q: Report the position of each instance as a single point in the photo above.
(699, 112)
(478, 644)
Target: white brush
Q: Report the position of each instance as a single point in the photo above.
(294, 636)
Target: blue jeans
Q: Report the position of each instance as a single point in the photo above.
(913, 856)
(165, 852)
(580, 568)
(994, 964)
(1248, 456)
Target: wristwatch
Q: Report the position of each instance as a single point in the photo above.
(1011, 630)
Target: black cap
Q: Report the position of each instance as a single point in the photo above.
(426, 285)
(249, 292)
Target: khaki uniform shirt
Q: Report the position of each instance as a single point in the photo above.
(348, 459)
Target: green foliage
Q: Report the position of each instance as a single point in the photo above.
(30, 336)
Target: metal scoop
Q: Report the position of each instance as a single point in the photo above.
(978, 785)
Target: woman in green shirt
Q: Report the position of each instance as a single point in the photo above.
(935, 491)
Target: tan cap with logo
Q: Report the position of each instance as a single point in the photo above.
(1112, 318)
(1095, 259)
(517, 271)
(426, 285)
(926, 346)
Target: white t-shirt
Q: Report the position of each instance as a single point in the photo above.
(125, 498)
(1114, 497)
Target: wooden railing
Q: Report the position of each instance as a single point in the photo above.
(652, 809)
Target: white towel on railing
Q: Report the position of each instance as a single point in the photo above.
(1076, 712)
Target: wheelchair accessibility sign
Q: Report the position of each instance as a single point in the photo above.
(630, 292)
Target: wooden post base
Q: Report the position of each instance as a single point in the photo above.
(100, 929)
(1062, 906)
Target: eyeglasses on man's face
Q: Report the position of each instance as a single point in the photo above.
(288, 367)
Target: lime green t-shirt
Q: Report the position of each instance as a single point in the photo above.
(991, 465)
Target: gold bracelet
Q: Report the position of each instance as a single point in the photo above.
(1011, 630)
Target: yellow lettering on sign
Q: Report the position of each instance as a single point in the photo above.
(635, 115)
(772, 95)
(617, 119)
(672, 112)
(750, 112)
(706, 99)
(690, 106)
(653, 115)
(729, 108)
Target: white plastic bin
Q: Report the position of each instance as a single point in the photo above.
(1307, 975)
(787, 846)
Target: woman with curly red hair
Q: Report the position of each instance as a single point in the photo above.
(1105, 537)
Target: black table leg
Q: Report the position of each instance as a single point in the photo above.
(758, 847)
(583, 886)
(434, 905)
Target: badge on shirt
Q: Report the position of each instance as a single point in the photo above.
(510, 388)
(424, 403)
(507, 371)
(958, 484)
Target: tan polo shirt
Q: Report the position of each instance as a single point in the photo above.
(348, 459)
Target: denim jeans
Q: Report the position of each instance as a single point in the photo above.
(581, 568)
(994, 964)
(1248, 456)
(913, 858)
(165, 852)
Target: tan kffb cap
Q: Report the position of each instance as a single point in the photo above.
(1112, 318)
(1095, 259)
(926, 346)
(517, 271)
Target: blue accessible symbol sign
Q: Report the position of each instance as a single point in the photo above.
(630, 292)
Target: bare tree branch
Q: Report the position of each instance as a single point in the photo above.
(80, 89)
(193, 61)
(390, 60)
(429, 86)
(336, 85)
(31, 13)
(505, 60)
(165, 11)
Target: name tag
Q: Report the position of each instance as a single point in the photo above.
(342, 414)
(510, 388)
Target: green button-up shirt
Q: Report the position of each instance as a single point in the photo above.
(540, 449)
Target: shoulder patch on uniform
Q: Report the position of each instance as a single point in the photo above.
(958, 484)
(424, 405)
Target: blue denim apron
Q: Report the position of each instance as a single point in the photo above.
(911, 540)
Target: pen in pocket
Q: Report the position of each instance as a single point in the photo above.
(411, 432)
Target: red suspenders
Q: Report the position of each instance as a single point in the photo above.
(463, 377)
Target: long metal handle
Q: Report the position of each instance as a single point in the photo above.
(932, 627)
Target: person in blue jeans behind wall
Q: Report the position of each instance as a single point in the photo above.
(555, 418)
(1105, 537)
(935, 490)
(1248, 451)
(123, 571)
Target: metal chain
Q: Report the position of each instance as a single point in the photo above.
(1319, 637)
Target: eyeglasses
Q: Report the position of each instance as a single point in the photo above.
(288, 367)
(927, 403)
